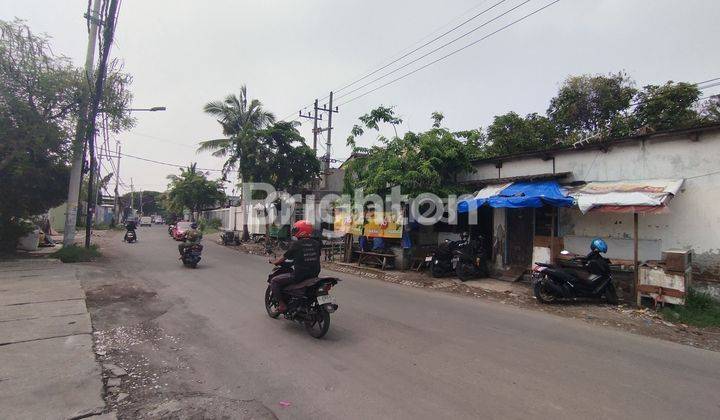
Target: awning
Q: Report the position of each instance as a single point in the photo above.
(519, 195)
(641, 196)
(481, 197)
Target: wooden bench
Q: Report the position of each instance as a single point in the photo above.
(375, 258)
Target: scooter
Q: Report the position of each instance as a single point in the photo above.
(469, 260)
(191, 255)
(592, 279)
(130, 236)
(441, 260)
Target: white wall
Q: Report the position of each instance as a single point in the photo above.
(694, 218)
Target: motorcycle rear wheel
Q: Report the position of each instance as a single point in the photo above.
(270, 304)
(611, 294)
(318, 327)
(542, 294)
(436, 271)
(465, 272)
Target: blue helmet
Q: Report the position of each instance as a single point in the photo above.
(599, 245)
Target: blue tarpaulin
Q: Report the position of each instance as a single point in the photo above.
(522, 195)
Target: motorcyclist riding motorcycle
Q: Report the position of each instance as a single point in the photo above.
(130, 225)
(190, 237)
(305, 254)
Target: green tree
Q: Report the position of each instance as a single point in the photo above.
(372, 120)
(667, 106)
(511, 133)
(592, 105)
(241, 120)
(192, 190)
(152, 202)
(285, 145)
(39, 95)
(417, 162)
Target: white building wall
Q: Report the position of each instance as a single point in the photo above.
(694, 218)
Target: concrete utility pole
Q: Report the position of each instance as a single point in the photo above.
(108, 34)
(330, 110)
(141, 203)
(132, 195)
(315, 119)
(80, 131)
(116, 202)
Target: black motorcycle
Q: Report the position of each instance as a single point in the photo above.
(469, 260)
(308, 302)
(130, 236)
(191, 255)
(591, 278)
(441, 260)
(229, 238)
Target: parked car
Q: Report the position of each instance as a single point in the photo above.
(180, 229)
(159, 220)
(146, 221)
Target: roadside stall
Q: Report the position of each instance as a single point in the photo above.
(524, 202)
(639, 197)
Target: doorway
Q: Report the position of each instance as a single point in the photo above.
(520, 236)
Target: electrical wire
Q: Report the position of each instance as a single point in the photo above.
(428, 43)
(411, 46)
(433, 50)
(452, 53)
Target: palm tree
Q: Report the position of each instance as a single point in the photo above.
(241, 119)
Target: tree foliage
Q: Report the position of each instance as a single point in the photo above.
(667, 106)
(39, 97)
(511, 133)
(261, 149)
(430, 161)
(591, 104)
(192, 190)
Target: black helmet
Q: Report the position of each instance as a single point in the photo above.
(193, 225)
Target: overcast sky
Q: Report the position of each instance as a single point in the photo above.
(183, 54)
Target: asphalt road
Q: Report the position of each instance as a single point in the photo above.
(399, 352)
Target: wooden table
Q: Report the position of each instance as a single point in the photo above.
(375, 258)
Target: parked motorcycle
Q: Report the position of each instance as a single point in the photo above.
(191, 255)
(441, 260)
(469, 260)
(308, 302)
(228, 238)
(592, 279)
(170, 229)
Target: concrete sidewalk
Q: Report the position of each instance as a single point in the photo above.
(47, 365)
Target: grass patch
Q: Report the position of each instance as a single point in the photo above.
(700, 310)
(74, 253)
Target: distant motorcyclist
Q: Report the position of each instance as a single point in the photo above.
(190, 237)
(305, 254)
(130, 226)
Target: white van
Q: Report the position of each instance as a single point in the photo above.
(146, 221)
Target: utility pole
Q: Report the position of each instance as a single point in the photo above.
(116, 201)
(80, 130)
(108, 33)
(315, 119)
(132, 195)
(330, 110)
(141, 203)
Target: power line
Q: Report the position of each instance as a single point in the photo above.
(466, 21)
(434, 50)
(412, 45)
(452, 53)
(167, 163)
